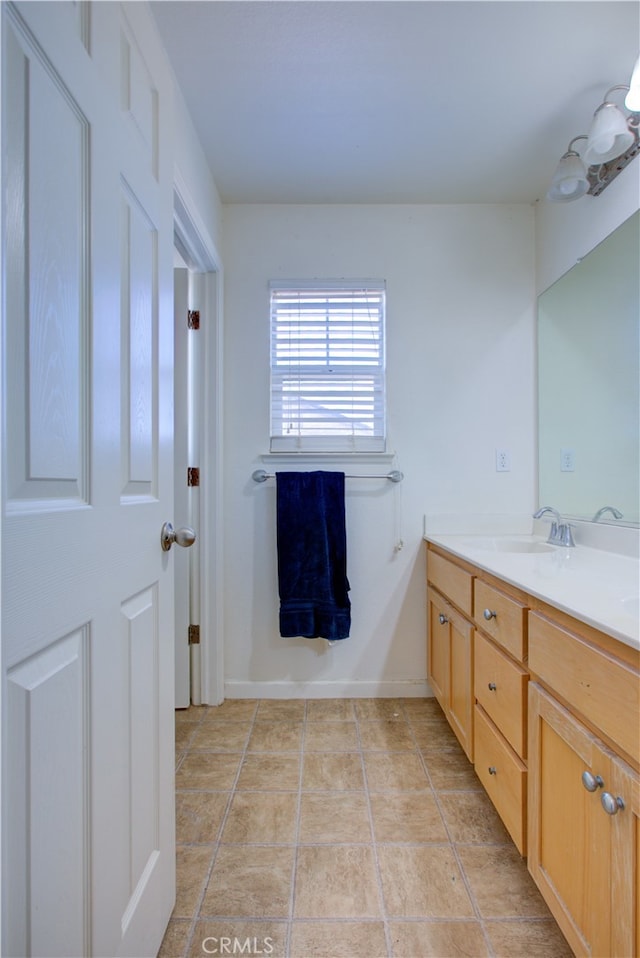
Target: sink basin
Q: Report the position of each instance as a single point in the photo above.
(513, 544)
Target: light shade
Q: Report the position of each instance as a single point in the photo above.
(632, 99)
(569, 180)
(609, 136)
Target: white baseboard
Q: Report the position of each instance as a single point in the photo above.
(326, 690)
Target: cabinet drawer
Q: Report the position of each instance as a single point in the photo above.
(451, 580)
(506, 784)
(603, 689)
(507, 625)
(501, 689)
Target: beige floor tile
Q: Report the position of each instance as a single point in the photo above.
(220, 736)
(275, 737)
(198, 815)
(176, 939)
(239, 938)
(192, 866)
(338, 939)
(336, 881)
(434, 733)
(330, 710)
(394, 771)
(407, 817)
(422, 881)
(361, 857)
(385, 735)
(334, 817)
(367, 709)
(450, 769)
(232, 710)
(184, 733)
(500, 882)
(280, 710)
(262, 817)
(418, 708)
(471, 817)
(250, 881)
(208, 770)
(460, 939)
(193, 715)
(270, 772)
(528, 939)
(323, 770)
(330, 737)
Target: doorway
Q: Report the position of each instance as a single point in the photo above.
(198, 458)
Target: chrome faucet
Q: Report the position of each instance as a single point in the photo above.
(560, 533)
(614, 512)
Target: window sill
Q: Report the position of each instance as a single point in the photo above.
(314, 457)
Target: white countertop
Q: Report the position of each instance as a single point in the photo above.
(599, 588)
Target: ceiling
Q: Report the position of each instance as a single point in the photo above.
(386, 101)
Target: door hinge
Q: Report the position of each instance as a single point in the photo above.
(193, 319)
(194, 635)
(193, 476)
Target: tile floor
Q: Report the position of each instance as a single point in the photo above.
(353, 828)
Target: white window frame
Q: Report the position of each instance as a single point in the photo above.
(334, 349)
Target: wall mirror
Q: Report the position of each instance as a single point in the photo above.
(588, 382)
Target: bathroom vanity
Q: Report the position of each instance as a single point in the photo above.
(534, 656)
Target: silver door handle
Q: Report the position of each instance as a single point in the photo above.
(184, 537)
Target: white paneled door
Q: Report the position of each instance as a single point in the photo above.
(88, 818)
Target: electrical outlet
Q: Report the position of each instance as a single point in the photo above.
(503, 460)
(567, 460)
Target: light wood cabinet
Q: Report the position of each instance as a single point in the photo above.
(504, 776)
(450, 666)
(583, 858)
(548, 708)
(500, 691)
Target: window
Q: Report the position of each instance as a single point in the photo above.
(327, 366)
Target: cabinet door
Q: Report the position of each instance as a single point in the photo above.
(625, 877)
(569, 836)
(438, 649)
(461, 682)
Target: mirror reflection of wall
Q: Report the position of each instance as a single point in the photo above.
(588, 382)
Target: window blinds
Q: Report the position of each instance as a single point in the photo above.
(327, 366)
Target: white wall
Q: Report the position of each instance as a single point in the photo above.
(193, 176)
(460, 360)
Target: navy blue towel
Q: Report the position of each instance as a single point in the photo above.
(312, 555)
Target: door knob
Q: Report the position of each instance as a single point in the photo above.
(184, 537)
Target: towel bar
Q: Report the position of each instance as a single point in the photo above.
(260, 475)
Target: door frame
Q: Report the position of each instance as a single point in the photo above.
(197, 249)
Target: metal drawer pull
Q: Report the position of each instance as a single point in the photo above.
(488, 614)
(493, 770)
(492, 686)
(610, 804)
(442, 619)
(591, 782)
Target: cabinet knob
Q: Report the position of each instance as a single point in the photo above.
(493, 770)
(442, 619)
(492, 686)
(591, 782)
(489, 614)
(610, 804)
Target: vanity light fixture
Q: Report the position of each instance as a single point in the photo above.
(612, 143)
